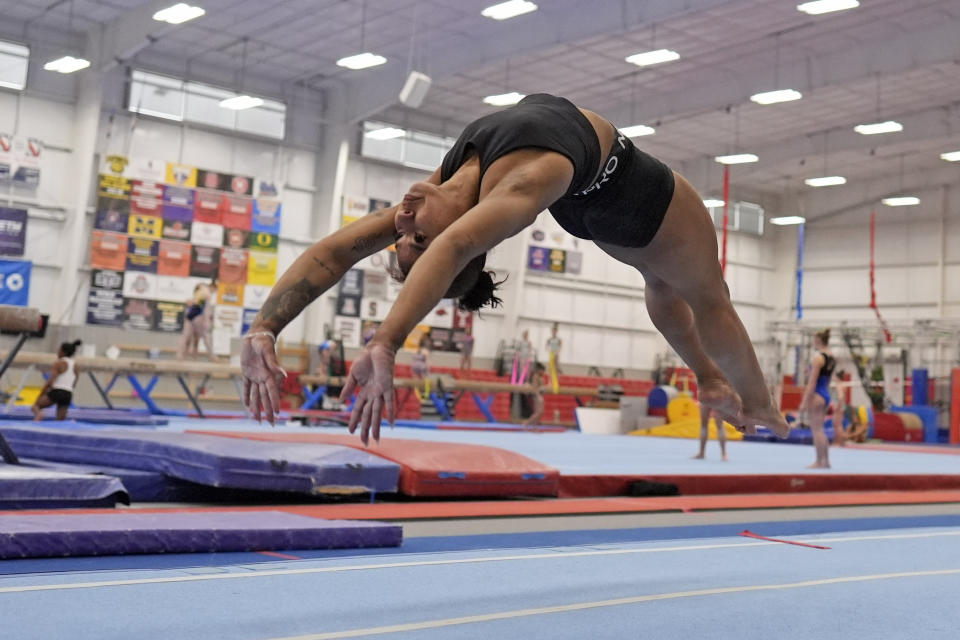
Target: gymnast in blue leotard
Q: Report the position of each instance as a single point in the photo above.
(816, 396)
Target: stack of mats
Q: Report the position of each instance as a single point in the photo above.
(217, 462)
(23, 487)
(141, 486)
(435, 469)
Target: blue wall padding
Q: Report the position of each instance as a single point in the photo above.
(921, 387)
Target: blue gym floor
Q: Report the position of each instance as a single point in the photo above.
(575, 453)
(883, 583)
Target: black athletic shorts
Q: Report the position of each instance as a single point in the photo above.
(626, 205)
(60, 397)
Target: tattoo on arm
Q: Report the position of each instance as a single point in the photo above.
(323, 266)
(281, 308)
(365, 243)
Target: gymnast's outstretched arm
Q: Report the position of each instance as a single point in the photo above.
(510, 207)
(316, 270)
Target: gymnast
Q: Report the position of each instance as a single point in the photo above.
(58, 389)
(502, 172)
(816, 398)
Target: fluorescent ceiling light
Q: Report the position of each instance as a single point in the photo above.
(890, 126)
(773, 97)
(507, 10)
(710, 203)
(901, 201)
(737, 158)
(826, 181)
(504, 99)
(67, 64)
(785, 220)
(952, 156)
(648, 58)
(178, 13)
(817, 7)
(385, 133)
(638, 130)
(239, 103)
(361, 61)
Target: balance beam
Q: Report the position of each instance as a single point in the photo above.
(133, 367)
(26, 321)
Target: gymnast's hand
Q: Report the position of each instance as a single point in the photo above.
(372, 372)
(260, 369)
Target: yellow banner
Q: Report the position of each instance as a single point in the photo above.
(145, 226)
(262, 269)
(181, 175)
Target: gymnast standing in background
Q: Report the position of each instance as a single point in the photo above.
(816, 397)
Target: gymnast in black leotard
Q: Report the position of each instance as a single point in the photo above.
(544, 153)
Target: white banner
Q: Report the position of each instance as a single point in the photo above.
(175, 288)
(139, 284)
(205, 234)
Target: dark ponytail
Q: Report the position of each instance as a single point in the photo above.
(482, 293)
(70, 348)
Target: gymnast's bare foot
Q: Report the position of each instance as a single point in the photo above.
(699, 456)
(717, 394)
(768, 417)
(818, 465)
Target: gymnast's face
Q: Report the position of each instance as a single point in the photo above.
(424, 213)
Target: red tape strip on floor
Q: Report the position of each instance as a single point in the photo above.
(750, 534)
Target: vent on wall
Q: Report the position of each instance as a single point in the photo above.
(14, 59)
(745, 217)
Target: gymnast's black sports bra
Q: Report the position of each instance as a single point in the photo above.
(540, 121)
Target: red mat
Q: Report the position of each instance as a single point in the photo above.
(617, 485)
(514, 508)
(434, 469)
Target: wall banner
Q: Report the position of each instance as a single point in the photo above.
(13, 231)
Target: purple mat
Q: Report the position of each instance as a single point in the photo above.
(219, 462)
(27, 488)
(36, 536)
(142, 486)
(116, 417)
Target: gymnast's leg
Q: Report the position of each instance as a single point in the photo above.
(43, 401)
(682, 259)
(704, 432)
(817, 417)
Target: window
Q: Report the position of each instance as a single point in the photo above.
(741, 216)
(14, 59)
(416, 149)
(174, 99)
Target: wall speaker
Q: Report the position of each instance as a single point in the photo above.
(415, 89)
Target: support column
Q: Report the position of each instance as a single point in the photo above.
(71, 305)
(331, 168)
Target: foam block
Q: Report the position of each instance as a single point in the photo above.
(35, 536)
